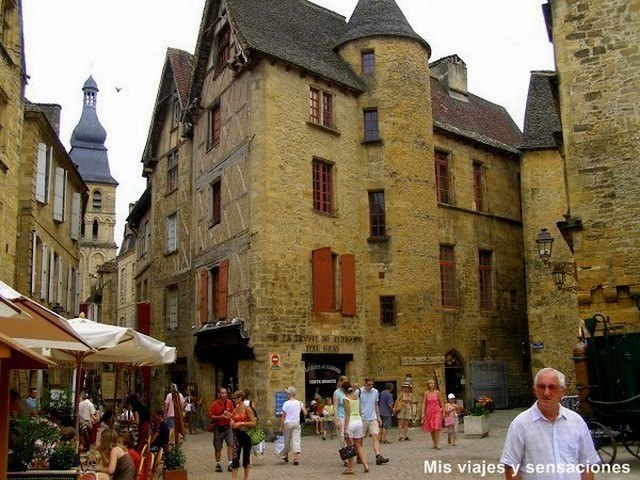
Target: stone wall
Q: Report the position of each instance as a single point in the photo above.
(12, 83)
(596, 46)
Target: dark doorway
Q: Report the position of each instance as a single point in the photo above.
(454, 374)
(321, 373)
(227, 374)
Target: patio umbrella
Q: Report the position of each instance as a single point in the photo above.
(22, 317)
(110, 344)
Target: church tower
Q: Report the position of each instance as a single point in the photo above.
(97, 244)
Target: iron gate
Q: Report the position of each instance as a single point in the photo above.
(489, 379)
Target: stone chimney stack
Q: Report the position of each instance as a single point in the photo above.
(451, 72)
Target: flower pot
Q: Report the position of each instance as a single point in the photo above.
(175, 475)
(476, 426)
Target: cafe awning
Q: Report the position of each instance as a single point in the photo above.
(221, 340)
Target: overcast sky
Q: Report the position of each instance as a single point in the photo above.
(122, 43)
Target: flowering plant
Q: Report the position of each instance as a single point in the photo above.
(483, 406)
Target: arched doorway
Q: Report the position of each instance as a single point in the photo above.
(454, 374)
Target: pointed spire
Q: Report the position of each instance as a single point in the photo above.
(378, 18)
(87, 140)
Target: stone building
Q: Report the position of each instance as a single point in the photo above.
(166, 231)
(353, 210)
(552, 313)
(13, 79)
(97, 244)
(52, 198)
(589, 110)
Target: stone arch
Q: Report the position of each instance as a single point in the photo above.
(454, 374)
(96, 200)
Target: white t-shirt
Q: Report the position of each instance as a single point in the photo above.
(85, 410)
(291, 410)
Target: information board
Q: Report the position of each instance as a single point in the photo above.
(281, 397)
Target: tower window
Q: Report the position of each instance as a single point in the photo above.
(368, 62)
(94, 230)
(97, 200)
(371, 131)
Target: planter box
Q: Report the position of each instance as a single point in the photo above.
(476, 426)
(175, 475)
(44, 475)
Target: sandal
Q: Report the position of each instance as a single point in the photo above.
(348, 472)
(401, 439)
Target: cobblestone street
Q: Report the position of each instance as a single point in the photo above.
(319, 460)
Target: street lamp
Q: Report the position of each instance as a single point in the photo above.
(544, 240)
(559, 270)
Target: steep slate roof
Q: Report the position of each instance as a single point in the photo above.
(295, 31)
(87, 140)
(373, 18)
(176, 70)
(181, 62)
(541, 119)
(477, 119)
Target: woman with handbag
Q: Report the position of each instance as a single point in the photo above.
(354, 429)
(242, 419)
(403, 409)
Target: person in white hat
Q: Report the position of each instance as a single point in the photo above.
(451, 411)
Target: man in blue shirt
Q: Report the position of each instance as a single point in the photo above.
(370, 413)
(386, 410)
(31, 402)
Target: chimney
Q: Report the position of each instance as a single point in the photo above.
(451, 72)
(52, 112)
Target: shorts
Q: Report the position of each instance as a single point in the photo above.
(370, 427)
(220, 436)
(171, 422)
(386, 422)
(355, 429)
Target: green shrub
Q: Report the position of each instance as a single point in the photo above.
(174, 458)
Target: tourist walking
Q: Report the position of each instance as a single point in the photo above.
(548, 435)
(371, 420)
(386, 411)
(404, 411)
(338, 406)
(290, 425)
(451, 411)
(173, 408)
(353, 425)
(220, 420)
(242, 419)
(191, 407)
(432, 413)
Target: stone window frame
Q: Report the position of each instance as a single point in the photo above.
(485, 280)
(323, 185)
(321, 107)
(371, 126)
(444, 180)
(377, 215)
(367, 61)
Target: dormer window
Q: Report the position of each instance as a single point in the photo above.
(224, 47)
(176, 111)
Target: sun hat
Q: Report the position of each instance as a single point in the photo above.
(451, 395)
(406, 384)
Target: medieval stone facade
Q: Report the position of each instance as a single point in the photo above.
(580, 175)
(52, 198)
(311, 234)
(12, 83)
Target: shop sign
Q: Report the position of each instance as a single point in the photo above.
(408, 361)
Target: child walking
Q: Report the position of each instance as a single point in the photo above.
(451, 410)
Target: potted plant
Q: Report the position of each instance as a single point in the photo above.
(31, 441)
(476, 424)
(64, 456)
(174, 464)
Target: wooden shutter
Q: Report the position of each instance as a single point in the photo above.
(144, 317)
(44, 272)
(52, 279)
(221, 299)
(41, 174)
(322, 280)
(348, 272)
(204, 296)
(59, 195)
(60, 277)
(76, 204)
(34, 258)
